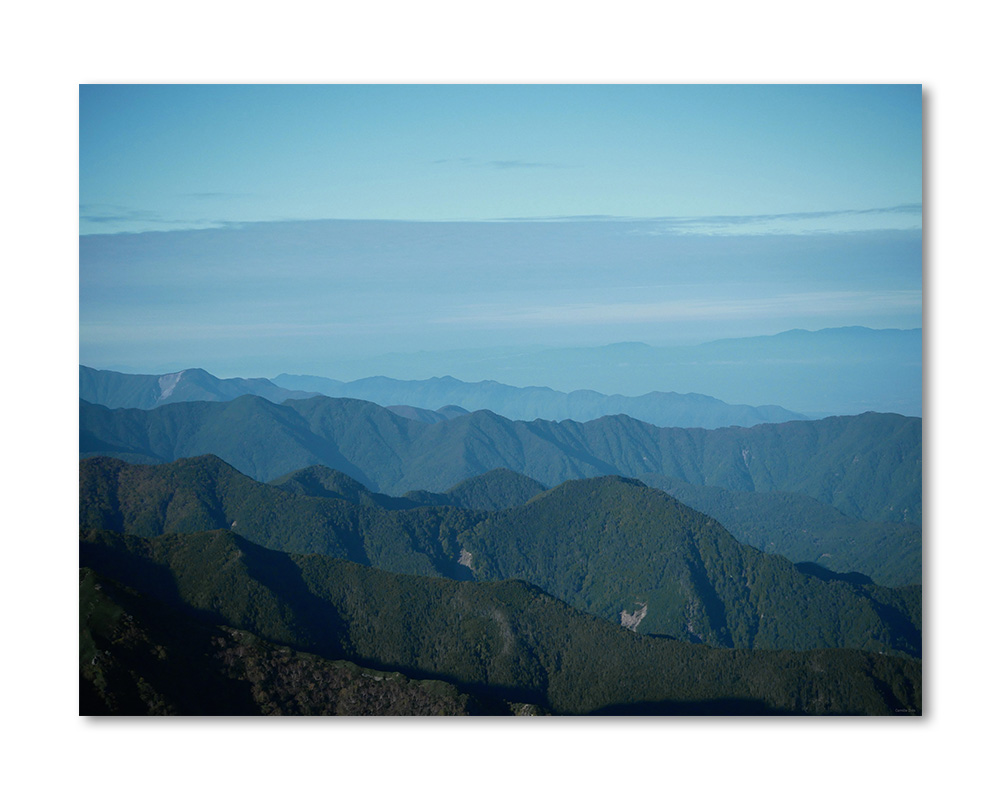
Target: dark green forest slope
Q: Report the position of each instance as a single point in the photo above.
(615, 548)
(507, 641)
(495, 490)
(868, 466)
(606, 545)
(140, 656)
(205, 493)
(492, 491)
(803, 529)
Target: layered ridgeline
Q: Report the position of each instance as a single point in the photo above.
(414, 399)
(507, 641)
(805, 530)
(122, 390)
(141, 656)
(608, 546)
(831, 371)
(868, 466)
(792, 525)
(667, 409)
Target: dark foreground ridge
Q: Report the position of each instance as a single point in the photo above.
(506, 642)
(609, 546)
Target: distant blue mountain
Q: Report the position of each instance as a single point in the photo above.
(833, 371)
(416, 399)
(120, 390)
(665, 409)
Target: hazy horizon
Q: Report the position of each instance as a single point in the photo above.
(164, 369)
(306, 296)
(255, 230)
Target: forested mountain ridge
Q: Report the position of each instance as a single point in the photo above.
(506, 640)
(666, 409)
(868, 466)
(205, 493)
(784, 523)
(612, 546)
(495, 490)
(492, 491)
(122, 390)
(417, 399)
(605, 545)
(804, 529)
(141, 656)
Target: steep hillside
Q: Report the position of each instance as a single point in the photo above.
(320, 481)
(506, 640)
(614, 548)
(803, 529)
(495, 490)
(205, 493)
(139, 656)
(867, 466)
(121, 390)
(604, 545)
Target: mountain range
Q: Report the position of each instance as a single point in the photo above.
(141, 656)
(833, 371)
(604, 545)
(430, 400)
(868, 466)
(802, 528)
(507, 642)
(121, 390)
(666, 409)
(283, 551)
(152, 605)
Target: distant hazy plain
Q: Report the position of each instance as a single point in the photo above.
(310, 297)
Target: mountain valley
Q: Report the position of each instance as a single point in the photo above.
(304, 554)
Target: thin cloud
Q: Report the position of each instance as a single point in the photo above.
(723, 219)
(214, 195)
(142, 219)
(516, 164)
(799, 215)
(510, 163)
(811, 303)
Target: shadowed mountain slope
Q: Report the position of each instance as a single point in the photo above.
(495, 490)
(492, 491)
(121, 390)
(803, 529)
(617, 549)
(508, 640)
(139, 656)
(205, 493)
(867, 466)
(605, 545)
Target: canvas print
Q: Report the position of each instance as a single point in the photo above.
(500, 400)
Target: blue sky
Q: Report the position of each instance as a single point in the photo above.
(215, 219)
(167, 157)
